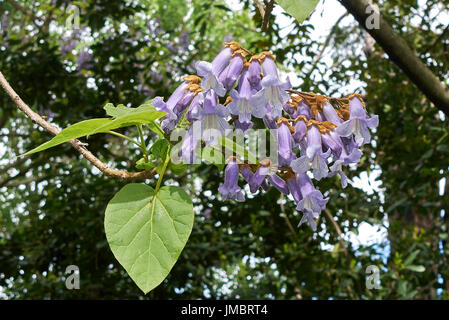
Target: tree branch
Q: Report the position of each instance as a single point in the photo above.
(401, 54)
(75, 143)
(284, 215)
(337, 228)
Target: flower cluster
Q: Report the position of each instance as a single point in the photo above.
(316, 135)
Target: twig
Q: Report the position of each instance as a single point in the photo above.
(326, 42)
(260, 7)
(29, 14)
(269, 5)
(14, 164)
(337, 228)
(125, 175)
(284, 214)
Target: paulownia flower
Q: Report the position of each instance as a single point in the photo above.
(358, 123)
(230, 188)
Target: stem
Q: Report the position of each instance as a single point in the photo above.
(125, 137)
(161, 176)
(142, 141)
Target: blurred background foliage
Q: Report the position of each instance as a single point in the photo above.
(52, 204)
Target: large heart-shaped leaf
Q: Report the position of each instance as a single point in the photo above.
(147, 232)
(299, 9)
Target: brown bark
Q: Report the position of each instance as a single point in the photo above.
(401, 54)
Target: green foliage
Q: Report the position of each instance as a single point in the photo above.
(147, 231)
(122, 117)
(300, 9)
(234, 251)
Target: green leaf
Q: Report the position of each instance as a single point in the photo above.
(147, 232)
(155, 128)
(143, 164)
(177, 168)
(75, 131)
(141, 115)
(411, 257)
(416, 268)
(299, 9)
(133, 116)
(160, 148)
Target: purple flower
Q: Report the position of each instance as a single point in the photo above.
(314, 157)
(300, 131)
(285, 144)
(294, 188)
(188, 147)
(330, 114)
(358, 123)
(258, 178)
(312, 202)
(333, 142)
(279, 183)
(268, 119)
(175, 106)
(241, 104)
(232, 72)
(273, 90)
(345, 159)
(242, 125)
(84, 59)
(254, 76)
(184, 40)
(302, 110)
(230, 188)
(212, 119)
(194, 111)
(211, 71)
(246, 173)
(68, 44)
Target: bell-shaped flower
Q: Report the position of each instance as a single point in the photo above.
(243, 125)
(246, 173)
(258, 178)
(294, 188)
(254, 74)
(302, 110)
(358, 123)
(314, 158)
(169, 120)
(330, 114)
(345, 159)
(273, 91)
(188, 147)
(300, 131)
(178, 102)
(211, 71)
(278, 183)
(194, 111)
(241, 104)
(212, 119)
(285, 142)
(312, 202)
(268, 119)
(230, 188)
(232, 72)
